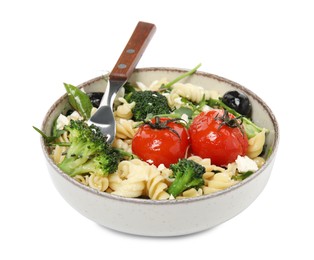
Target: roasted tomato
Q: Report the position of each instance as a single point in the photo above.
(161, 141)
(218, 135)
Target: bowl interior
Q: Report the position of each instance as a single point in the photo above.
(261, 113)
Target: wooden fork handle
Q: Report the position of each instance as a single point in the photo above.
(133, 51)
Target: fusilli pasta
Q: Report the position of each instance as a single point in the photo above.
(125, 109)
(156, 184)
(98, 182)
(256, 144)
(193, 92)
(57, 154)
(130, 179)
(123, 144)
(191, 193)
(125, 129)
(135, 178)
(219, 181)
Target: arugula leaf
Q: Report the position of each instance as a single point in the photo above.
(79, 100)
(241, 176)
(251, 129)
(184, 75)
(183, 110)
(47, 138)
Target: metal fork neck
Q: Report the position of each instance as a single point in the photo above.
(111, 92)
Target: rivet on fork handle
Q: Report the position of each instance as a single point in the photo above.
(133, 51)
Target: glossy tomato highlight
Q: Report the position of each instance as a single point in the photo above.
(211, 138)
(161, 145)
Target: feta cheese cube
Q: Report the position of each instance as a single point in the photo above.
(62, 121)
(245, 164)
(75, 116)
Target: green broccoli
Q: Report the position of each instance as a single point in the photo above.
(88, 151)
(147, 103)
(188, 174)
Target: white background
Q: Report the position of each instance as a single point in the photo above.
(266, 46)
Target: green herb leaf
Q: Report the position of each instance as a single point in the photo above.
(250, 128)
(241, 176)
(48, 139)
(55, 131)
(183, 110)
(184, 75)
(79, 100)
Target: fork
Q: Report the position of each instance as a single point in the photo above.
(104, 118)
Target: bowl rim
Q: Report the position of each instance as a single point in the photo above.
(171, 201)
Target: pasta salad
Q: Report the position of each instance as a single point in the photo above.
(173, 140)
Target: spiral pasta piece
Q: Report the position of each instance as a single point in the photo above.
(58, 153)
(98, 182)
(125, 109)
(256, 144)
(156, 184)
(220, 181)
(173, 99)
(260, 161)
(130, 179)
(81, 179)
(125, 145)
(210, 169)
(136, 178)
(125, 129)
(193, 92)
(191, 193)
(154, 86)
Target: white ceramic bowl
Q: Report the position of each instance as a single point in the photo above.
(172, 217)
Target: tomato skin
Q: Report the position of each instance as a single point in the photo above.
(161, 146)
(222, 145)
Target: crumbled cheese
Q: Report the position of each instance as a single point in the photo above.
(94, 109)
(161, 167)
(185, 117)
(178, 100)
(171, 197)
(206, 108)
(245, 164)
(149, 161)
(75, 116)
(62, 121)
(142, 86)
(121, 100)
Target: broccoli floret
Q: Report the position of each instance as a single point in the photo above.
(188, 174)
(148, 103)
(88, 151)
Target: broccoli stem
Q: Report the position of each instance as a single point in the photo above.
(179, 184)
(184, 182)
(189, 73)
(188, 174)
(250, 128)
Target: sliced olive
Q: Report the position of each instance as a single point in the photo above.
(238, 101)
(95, 98)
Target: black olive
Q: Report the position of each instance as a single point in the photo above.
(95, 98)
(69, 112)
(238, 101)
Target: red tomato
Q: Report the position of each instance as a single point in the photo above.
(210, 139)
(161, 146)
